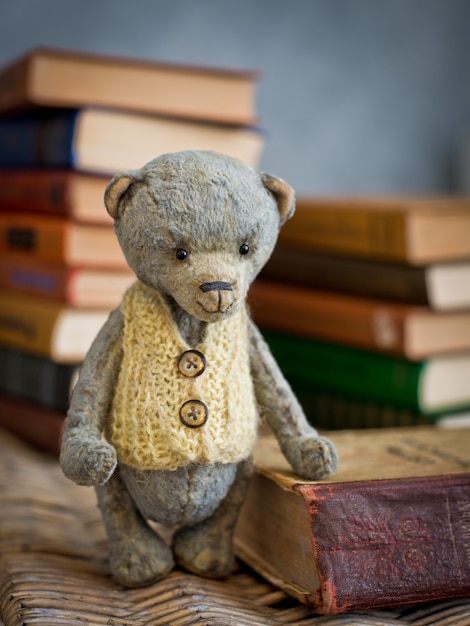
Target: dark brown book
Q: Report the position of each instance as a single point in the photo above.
(442, 286)
(390, 528)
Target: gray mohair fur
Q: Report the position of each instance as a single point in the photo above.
(207, 204)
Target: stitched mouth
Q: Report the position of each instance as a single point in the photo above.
(219, 310)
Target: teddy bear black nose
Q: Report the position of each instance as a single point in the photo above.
(217, 285)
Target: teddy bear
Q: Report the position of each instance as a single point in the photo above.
(165, 415)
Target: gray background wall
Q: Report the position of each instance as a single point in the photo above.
(356, 95)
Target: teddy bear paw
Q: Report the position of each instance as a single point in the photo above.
(312, 457)
(88, 463)
(140, 564)
(203, 552)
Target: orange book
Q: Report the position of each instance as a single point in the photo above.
(48, 77)
(59, 240)
(414, 230)
(415, 332)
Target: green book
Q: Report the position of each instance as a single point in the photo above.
(431, 387)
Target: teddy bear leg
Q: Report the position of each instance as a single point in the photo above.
(137, 554)
(207, 548)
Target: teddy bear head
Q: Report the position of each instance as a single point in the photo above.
(198, 226)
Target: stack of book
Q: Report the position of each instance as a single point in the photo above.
(103, 114)
(68, 122)
(366, 305)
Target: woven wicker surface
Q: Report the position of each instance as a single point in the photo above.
(53, 569)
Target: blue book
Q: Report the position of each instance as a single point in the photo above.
(38, 139)
(104, 141)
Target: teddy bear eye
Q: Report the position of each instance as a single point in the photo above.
(244, 248)
(181, 254)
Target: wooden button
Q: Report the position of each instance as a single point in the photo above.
(193, 413)
(192, 363)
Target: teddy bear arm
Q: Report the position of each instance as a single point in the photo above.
(310, 455)
(85, 458)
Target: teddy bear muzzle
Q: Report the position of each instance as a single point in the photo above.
(217, 296)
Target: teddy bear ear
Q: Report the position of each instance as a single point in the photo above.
(116, 189)
(283, 194)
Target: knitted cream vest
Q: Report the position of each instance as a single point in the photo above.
(145, 424)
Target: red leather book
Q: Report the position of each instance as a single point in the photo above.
(65, 193)
(38, 425)
(390, 528)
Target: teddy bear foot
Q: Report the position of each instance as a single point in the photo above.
(204, 553)
(140, 564)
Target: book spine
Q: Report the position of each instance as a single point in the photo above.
(36, 379)
(401, 541)
(358, 322)
(27, 323)
(337, 368)
(25, 275)
(38, 140)
(40, 237)
(38, 191)
(13, 81)
(38, 426)
(336, 411)
(356, 231)
(394, 281)
(330, 410)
